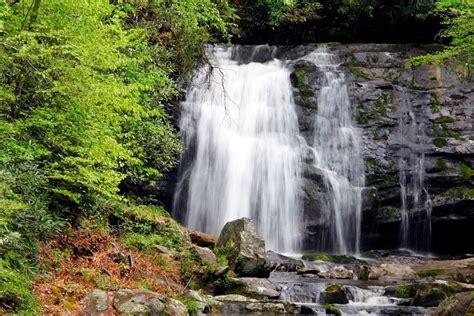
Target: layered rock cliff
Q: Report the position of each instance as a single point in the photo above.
(382, 91)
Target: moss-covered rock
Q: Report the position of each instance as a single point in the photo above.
(335, 294)
(246, 256)
(459, 304)
(320, 256)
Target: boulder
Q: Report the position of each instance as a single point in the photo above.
(334, 294)
(237, 304)
(203, 306)
(96, 302)
(391, 271)
(144, 302)
(283, 263)
(205, 254)
(199, 238)
(459, 304)
(429, 297)
(244, 249)
(361, 272)
(162, 249)
(257, 288)
(337, 273)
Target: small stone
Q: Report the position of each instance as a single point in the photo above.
(205, 254)
(162, 249)
(199, 238)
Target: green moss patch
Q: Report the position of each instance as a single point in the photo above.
(320, 256)
(332, 310)
(430, 273)
(466, 171)
(439, 142)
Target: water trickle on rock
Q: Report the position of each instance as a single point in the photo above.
(241, 130)
(414, 196)
(338, 151)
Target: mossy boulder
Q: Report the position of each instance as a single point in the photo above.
(257, 288)
(320, 256)
(429, 296)
(244, 249)
(144, 302)
(426, 294)
(459, 304)
(334, 294)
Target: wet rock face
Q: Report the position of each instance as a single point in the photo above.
(247, 256)
(442, 106)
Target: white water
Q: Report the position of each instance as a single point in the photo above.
(240, 120)
(240, 125)
(411, 166)
(338, 152)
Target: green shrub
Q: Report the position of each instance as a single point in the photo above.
(15, 290)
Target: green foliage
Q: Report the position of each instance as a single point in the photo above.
(85, 87)
(442, 165)
(192, 305)
(435, 104)
(180, 27)
(357, 72)
(466, 171)
(15, 293)
(143, 227)
(458, 19)
(443, 119)
(225, 253)
(439, 142)
(402, 292)
(276, 13)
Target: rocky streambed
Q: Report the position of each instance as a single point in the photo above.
(255, 281)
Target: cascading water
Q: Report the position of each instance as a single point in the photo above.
(240, 124)
(338, 155)
(411, 166)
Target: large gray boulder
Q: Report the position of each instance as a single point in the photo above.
(96, 303)
(244, 249)
(144, 302)
(257, 288)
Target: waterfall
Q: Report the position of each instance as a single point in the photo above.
(337, 147)
(244, 159)
(411, 166)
